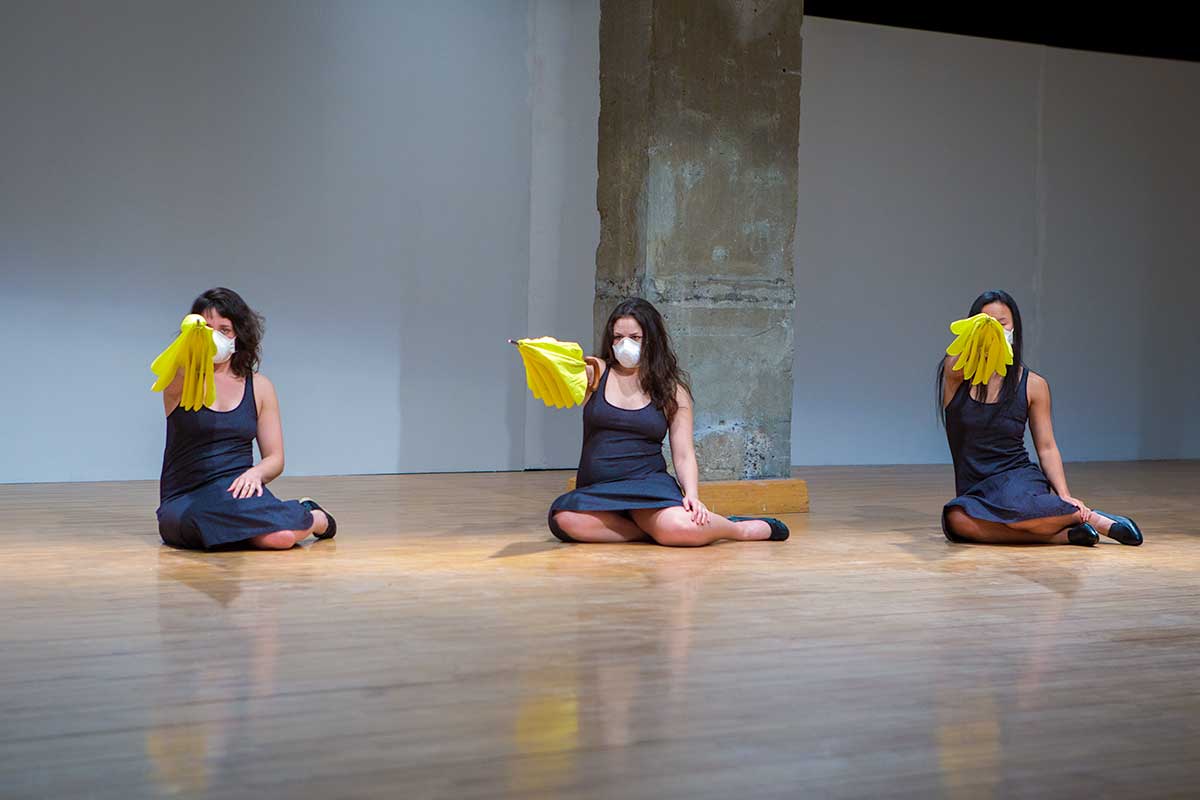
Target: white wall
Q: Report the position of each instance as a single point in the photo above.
(933, 167)
(401, 186)
(564, 224)
(362, 172)
(1122, 210)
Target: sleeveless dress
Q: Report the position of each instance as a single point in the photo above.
(622, 465)
(993, 475)
(205, 451)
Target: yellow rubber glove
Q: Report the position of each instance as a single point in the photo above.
(981, 347)
(193, 352)
(554, 371)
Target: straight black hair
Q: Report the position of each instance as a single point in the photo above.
(1008, 389)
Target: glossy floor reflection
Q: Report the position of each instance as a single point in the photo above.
(444, 646)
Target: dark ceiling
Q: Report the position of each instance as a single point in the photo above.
(1152, 28)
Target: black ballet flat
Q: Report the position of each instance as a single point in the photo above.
(779, 531)
(1083, 535)
(1123, 529)
(312, 505)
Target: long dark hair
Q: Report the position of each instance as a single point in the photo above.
(248, 327)
(658, 368)
(1008, 389)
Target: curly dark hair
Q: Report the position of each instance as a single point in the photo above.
(659, 369)
(248, 327)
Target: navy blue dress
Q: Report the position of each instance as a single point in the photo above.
(205, 451)
(622, 466)
(993, 474)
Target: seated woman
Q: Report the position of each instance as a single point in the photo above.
(211, 492)
(1003, 497)
(624, 492)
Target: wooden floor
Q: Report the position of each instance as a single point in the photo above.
(444, 646)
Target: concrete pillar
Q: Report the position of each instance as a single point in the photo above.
(699, 127)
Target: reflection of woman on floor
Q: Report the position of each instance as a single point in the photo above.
(624, 492)
(1003, 497)
(211, 491)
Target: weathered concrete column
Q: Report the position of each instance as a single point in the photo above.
(699, 128)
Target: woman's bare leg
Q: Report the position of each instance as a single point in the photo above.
(285, 540)
(674, 527)
(598, 527)
(1047, 530)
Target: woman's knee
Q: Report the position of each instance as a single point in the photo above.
(676, 529)
(959, 522)
(573, 527)
(569, 522)
(969, 529)
(278, 540)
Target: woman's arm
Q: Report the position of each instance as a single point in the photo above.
(270, 430)
(951, 379)
(1042, 428)
(270, 443)
(683, 455)
(595, 371)
(173, 393)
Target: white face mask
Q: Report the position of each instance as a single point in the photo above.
(1008, 336)
(628, 352)
(225, 347)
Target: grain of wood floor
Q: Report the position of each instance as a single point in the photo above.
(445, 646)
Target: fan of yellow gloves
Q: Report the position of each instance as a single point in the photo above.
(556, 372)
(193, 352)
(982, 348)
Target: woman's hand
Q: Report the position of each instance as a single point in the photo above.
(698, 510)
(595, 369)
(248, 484)
(1084, 511)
